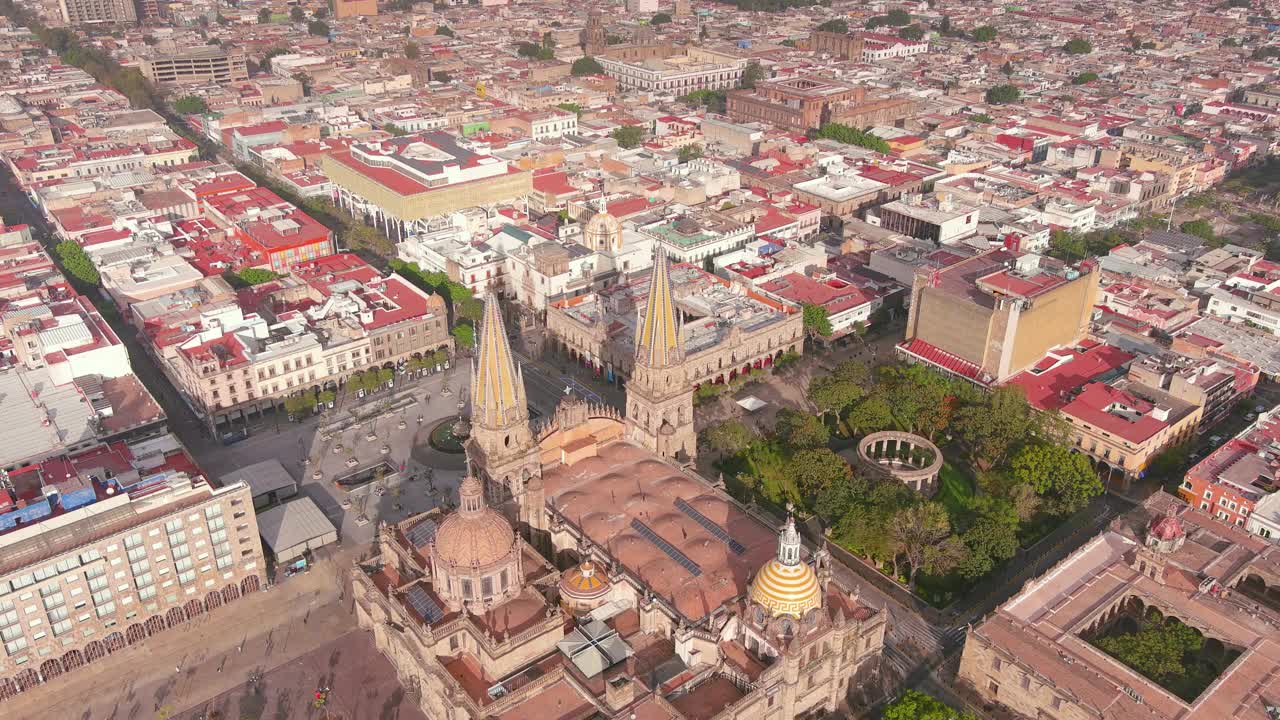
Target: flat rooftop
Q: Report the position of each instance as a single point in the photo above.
(715, 308)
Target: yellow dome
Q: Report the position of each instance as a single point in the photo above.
(786, 589)
(786, 585)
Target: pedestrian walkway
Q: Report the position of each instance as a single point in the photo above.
(179, 668)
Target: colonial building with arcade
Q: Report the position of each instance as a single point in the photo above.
(588, 572)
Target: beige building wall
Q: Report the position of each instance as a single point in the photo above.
(998, 677)
(438, 201)
(74, 589)
(1058, 317)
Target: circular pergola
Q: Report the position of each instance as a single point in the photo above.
(905, 457)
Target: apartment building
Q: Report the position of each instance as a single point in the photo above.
(211, 64)
(131, 542)
(98, 12)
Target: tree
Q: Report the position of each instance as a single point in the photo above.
(752, 74)
(468, 308)
(534, 51)
(830, 394)
(853, 136)
(898, 18)
(837, 25)
(264, 15)
(464, 336)
(838, 499)
(1007, 68)
(872, 414)
(255, 276)
(411, 51)
(1078, 46)
(1003, 94)
(76, 263)
(318, 28)
(1084, 78)
(1157, 650)
(801, 431)
(441, 76)
(981, 119)
(1202, 229)
(628, 136)
(586, 66)
(729, 438)
(915, 705)
(689, 152)
(320, 13)
(191, 105)
(996, 425)
(444, 30)
(992, 539)
(921, 533)
(660, 19)
(385, 375)
(944, 27)
(1055, 471)
(296, 14)
(813, 471)
(816, 321)
(912, 32)
(922, 399)
(985, 33)
(324, 397)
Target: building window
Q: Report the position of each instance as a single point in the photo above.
(993, 688)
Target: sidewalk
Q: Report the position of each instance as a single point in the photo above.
(182, 667)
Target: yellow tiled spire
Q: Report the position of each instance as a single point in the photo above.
(659, 342)
(497, 385)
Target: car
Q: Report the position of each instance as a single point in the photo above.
(1215, 440)
(1251, 416)
(1259, 408)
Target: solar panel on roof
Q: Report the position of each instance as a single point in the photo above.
(711, 526)
(421, 534)
(666, 547)
(422, 604)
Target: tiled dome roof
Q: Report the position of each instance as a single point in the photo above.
(584, 582)
(476, 535)
(786, 585)
(1167, 528)
(786, 589)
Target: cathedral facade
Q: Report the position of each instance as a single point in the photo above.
(587, 572)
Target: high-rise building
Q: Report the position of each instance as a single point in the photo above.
(199, 65)
(353, 8)
(991, 316)
(105, 12)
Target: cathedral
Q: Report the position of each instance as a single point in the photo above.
(588, 572)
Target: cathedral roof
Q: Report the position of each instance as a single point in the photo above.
(658, 343)
(476, 535)
(497, 387)
(786, 585)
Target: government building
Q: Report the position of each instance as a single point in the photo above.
(1166, 570)
(587, 573)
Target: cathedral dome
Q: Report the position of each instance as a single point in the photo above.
(584, 586)
(786, 585)
(603, 233)
(476, 535)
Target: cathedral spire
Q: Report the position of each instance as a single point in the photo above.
(660, 343)
(497, 385)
